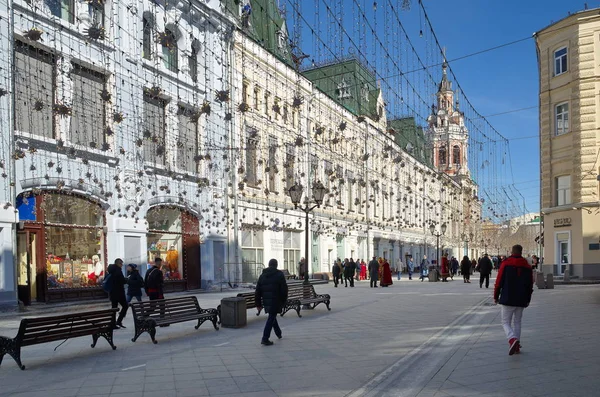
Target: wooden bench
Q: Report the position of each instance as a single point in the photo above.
(287, 275)
(147, 315)
(35, 331)
(301, 295)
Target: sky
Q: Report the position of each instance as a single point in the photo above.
(505, 79)
(498, 81)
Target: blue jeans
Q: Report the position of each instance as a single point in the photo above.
(130, 298)
(399, 273)
(271, 324)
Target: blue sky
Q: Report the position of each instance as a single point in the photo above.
(495, 82)
(504, 79)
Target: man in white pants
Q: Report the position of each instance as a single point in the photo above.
(513, 289)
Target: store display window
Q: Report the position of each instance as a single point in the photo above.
(165, 240)
(74, 234)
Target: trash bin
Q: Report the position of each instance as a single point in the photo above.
(433, 275)
(233, 312)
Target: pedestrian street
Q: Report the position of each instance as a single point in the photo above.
(410, 339)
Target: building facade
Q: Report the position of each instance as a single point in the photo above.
(115, 106)
(150, 129)
(568, 58)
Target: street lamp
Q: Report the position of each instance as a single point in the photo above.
(295, 192)
(437, 235)
(467, 240)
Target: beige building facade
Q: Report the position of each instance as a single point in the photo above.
(569, 69)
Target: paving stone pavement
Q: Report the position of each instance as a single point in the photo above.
(411, 339)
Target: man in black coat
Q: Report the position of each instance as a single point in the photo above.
(271, 293)
(374, 272)
(117, 290)
(349, 271)
(485, 269)
(337, 272)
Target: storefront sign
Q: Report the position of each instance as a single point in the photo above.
(562, 222)
(277, 244)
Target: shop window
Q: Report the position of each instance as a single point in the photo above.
(253, 247)
(88, 113)
(154, 129)
(187, 141)
(165, 240)
(292, 241)
(34, 88)
(64, 9)
(74, 242)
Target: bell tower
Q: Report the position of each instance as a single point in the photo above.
(447, 133)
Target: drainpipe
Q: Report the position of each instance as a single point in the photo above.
(13, 172)
(541, 231)
(232, 168)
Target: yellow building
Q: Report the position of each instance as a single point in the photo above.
(569, 69)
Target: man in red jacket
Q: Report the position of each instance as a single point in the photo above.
(513, 289)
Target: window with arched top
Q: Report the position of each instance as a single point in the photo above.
(442, 156)
(456, 155)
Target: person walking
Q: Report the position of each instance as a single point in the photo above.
(135, 283)
(454, 267)
(349, 271)
(386, 274)
(336, 271)
(424, 267)
(445, 268)
(465, 269)
(373, 272)
(363, 270)
(301, 268)
(271, 294)
(410, 267)
(513, 290)
(485, 269)
(117, 290)
(399, 267)
(153, 284)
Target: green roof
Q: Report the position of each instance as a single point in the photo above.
(265, 25)
(348, 83)
(408, 132)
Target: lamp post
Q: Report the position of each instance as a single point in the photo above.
(437, 236)
(295, 192)
(467, 239)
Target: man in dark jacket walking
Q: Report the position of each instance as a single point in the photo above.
(349, 271)
(513, 289)
(485, 269)
(117, 290)
(271, 293)
(135, 282)
(153, 284)
(374, 272)
(337, 272)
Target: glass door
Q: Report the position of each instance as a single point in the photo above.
(563, 255)
(27, 258)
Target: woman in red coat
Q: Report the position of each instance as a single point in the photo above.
(445, 270)
(386, 274)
